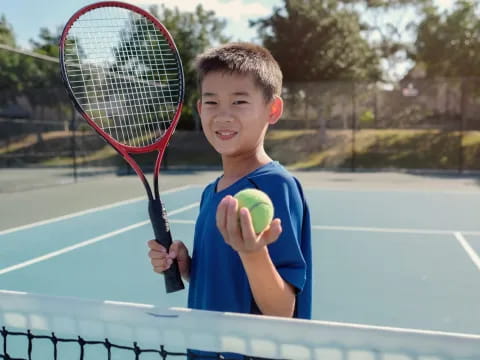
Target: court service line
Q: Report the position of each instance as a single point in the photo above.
(88, 211)
(367, 229)
(394, 230)
(468, 249)
(88, 242)
(180, 221)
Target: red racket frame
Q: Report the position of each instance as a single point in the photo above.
(157, 211)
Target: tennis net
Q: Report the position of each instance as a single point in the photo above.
(42, 327)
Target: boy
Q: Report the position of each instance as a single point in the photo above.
(232, 268)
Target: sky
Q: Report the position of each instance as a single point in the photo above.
(28, 16)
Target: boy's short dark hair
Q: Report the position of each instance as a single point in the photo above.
(243, 58)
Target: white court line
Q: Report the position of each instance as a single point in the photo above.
(88, 242)
(180, 221)
(392, 190)
(366, 229)
(84, 212)
(468, 249)
(393, 230)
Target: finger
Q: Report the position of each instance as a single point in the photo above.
(221, 215)
(160, 262)
(152, 254)
(154, 245)
(233, 228)
(251, 240)
(177, 249)
(161, 268)
(182, 252)
(272, 233)
(161, 265)
(248, 232)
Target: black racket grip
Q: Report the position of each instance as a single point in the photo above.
(161, 229)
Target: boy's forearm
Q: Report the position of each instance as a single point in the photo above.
(273, 295)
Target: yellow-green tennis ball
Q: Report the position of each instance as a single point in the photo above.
(259, 205)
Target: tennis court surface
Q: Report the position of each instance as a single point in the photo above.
(396, 273)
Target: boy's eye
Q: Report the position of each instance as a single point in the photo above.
(240, 102)
(210, 102)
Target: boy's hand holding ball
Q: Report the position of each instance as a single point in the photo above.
(245, 221)
(258, 205)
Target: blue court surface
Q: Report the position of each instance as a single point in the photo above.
(402, 258)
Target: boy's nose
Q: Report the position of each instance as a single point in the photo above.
(224, 116)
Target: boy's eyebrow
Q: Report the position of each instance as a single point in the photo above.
(236, 93)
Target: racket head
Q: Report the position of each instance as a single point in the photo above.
(124, 74)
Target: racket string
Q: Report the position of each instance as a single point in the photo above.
(151, 63)
(124, 74)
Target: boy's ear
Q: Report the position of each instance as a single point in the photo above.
(199, 106)
(276, 110)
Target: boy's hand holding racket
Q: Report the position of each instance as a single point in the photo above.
(162, 260)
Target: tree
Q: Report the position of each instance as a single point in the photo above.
(24, 74)
(193, 32)
(6, 32)
(46, 75)
(318, 40)
(448, 44)
(8, 61)
(390, 27)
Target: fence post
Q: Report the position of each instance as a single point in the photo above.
(354, 125)
(462, 125)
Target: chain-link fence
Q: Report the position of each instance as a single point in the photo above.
(417, 124)
(41, 130)
(421, 124)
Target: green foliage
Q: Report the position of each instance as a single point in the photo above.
(385, 3)
(6, 32)
(318, 40)
(367, 119)
(8, 61)
(448, 44)
(48, 42)
(44, 75)
(24, 74)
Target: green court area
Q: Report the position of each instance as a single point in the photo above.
(395, 264)
(394, 250)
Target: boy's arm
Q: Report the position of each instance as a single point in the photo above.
(273, 295)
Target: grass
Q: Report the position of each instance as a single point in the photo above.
(32, 139)
(297, 149)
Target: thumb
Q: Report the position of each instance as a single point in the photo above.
(273, 232)
(177, 249)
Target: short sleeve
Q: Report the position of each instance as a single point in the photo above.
(286, 252)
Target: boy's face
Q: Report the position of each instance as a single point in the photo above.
(234, 113)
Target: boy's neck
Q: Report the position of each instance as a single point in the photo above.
(234, 168)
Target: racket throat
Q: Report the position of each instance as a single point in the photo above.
(161, 229)
(158, 217)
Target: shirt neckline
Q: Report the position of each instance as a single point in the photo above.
(236, 183)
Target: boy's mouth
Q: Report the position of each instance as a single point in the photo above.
(225, 134)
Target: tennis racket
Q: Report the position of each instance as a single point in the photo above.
(123, 72)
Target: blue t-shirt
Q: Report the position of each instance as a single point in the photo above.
(218, 281)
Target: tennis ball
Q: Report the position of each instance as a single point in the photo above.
(259, 205)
